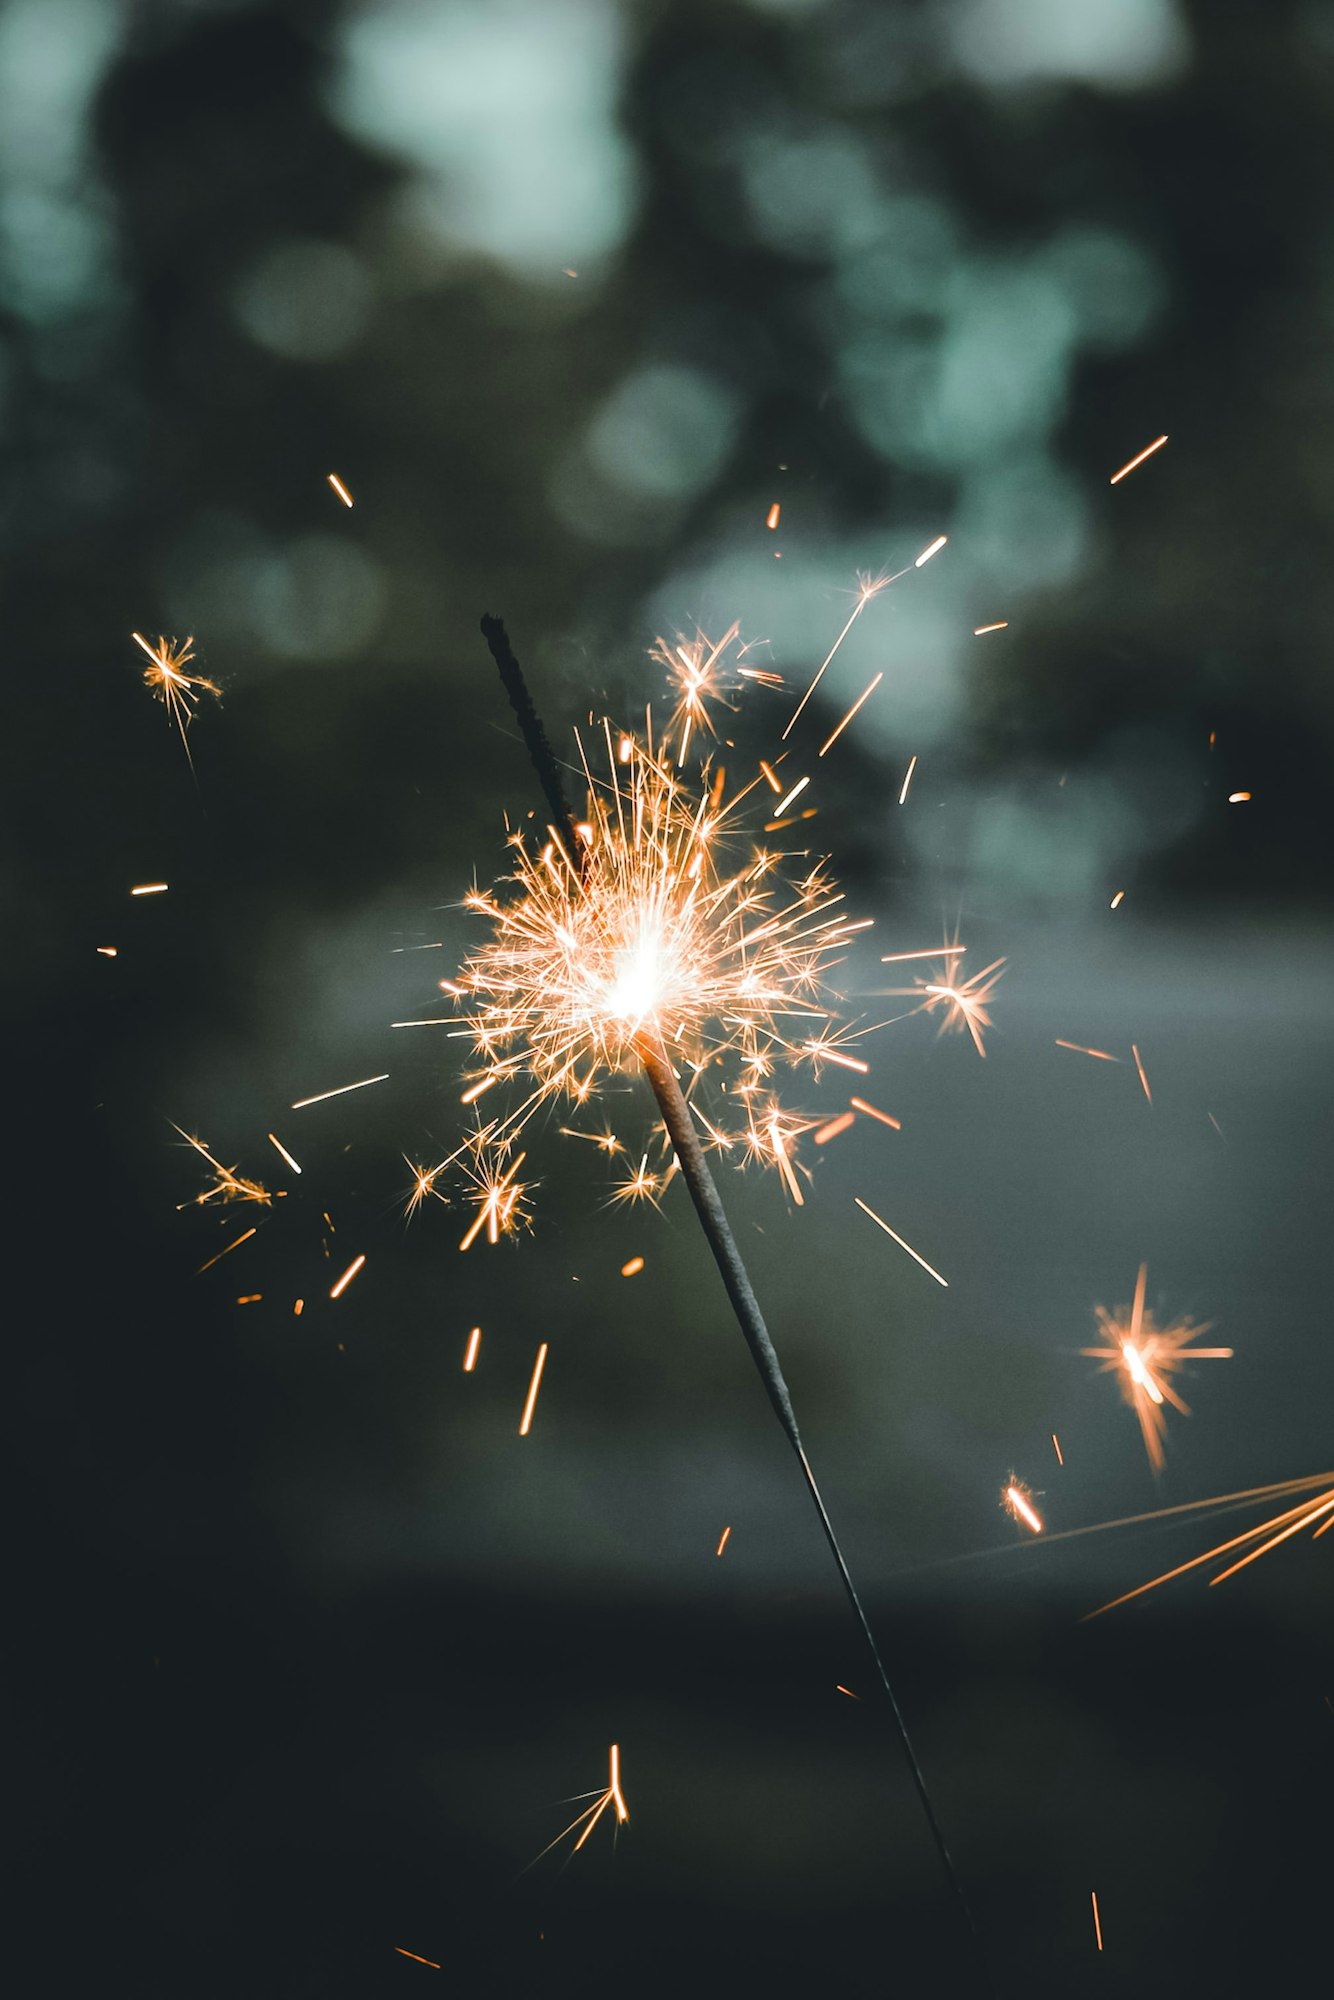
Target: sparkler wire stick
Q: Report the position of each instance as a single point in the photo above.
(718, 1234)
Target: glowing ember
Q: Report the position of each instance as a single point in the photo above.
(347, 1277)
(633, 1268)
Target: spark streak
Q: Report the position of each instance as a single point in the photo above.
(1097, 1920)
(340, 489)
(470, 1358)
(1080, 1050)
(235, 1244)
(533, 1386)
(1146, 1356)
(912, 766)
(1017, 1504)
(1138, 459)
(834, 735)
(723, 1543)
(274, 1141)
(1001, 625)
(932, 549)
(347, 1277)
(402, 1950)
(150, 889)
(928, 1268)
(1144, 1081)
(341, 1091)
(870, 1111)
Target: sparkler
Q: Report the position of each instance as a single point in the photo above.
(626, 947)
(1146, 1356)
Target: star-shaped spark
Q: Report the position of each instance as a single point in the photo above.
(1145, 1356)
(165, 675)
(963, 1003)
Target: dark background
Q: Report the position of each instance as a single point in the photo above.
(305, 1647)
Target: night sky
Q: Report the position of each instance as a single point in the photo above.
(306, 1648)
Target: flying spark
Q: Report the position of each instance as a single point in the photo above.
(1056, 1447)
(1118, 899)
(870, 1111)
(633, 1268)
(1139, 1065)
(1097, 1920)
(533, 1387)
(912, 766)
(928, 1268)
(932, 549)
(470, 1358)
(347, 1277)
(227, 1185)
(402, 1950)
(274, 1141)
(1001, 625)
(1138, 459)
(771, 520)
(340, 489)
(1256, 1541)
(150, 889)
(1146, 1356)
(865, 695)
(723, 1543)
(1018, 1504)
(341, 1091)
(1080, 1050)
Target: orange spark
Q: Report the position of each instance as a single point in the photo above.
(1001, 625)
(1138, 459)
(912, 766)
(150, 889)
(1237, 798)
(833, 1128)
(1080, 1050)
(936, 951)
(833, 737)
(347, 1277)
(867, 588)
(342, 1089)
(106, 951)
(1118, 899)
(1146, 1356)
(171, 685)
(796, 791)
(340, 489)
(1144, 1081)
(470, 1358)
(840, 1689)
(1097, 1920)
(298, 1307)
(633, 1268)
(250, 1298)
(1017, 1504)
(870, 1111)
(273, 1141)
(1056, 1446)
(723, 1543)
(929, 1269)
(528, 1407)
(235, 1244)
(772, 518)
(402, 1950)
(932, 549)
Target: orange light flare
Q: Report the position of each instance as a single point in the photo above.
(527, 1420)
(347, 1277)
(917, 1259)
(340, 489)
(470, 1358)
(166, 678)
(1145, 1357)
(1138, 459)
(1017, 1501)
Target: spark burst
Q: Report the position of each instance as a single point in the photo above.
(1146, 1356)
(166, 677)
(227, 1185)
(667, 928)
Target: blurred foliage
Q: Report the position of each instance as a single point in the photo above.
(570, 292)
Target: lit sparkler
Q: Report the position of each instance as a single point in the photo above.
(624, 944)
(1146, 1356)
(166, 677)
